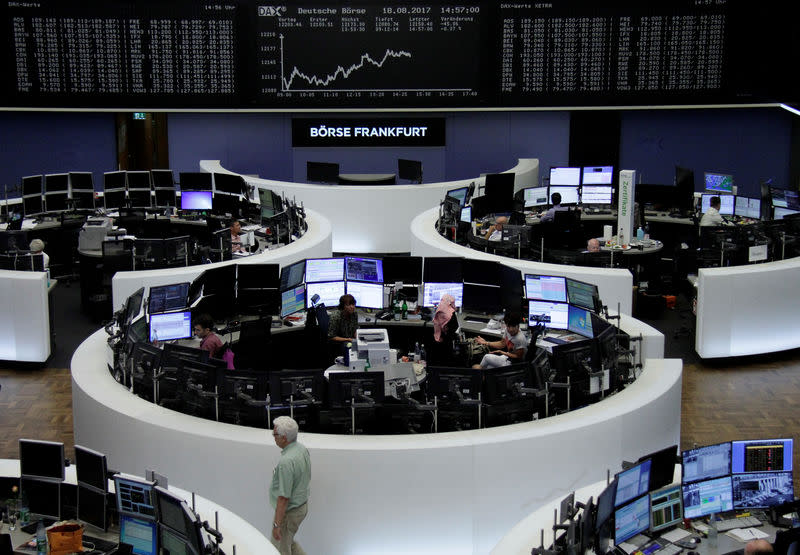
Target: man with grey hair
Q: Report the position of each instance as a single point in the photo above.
(37, 247)
(288, 492)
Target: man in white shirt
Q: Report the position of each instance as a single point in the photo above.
(495, 232)
(511, 348)
(37, 247)
(712, 216)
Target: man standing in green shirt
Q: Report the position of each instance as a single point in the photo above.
(288, 492)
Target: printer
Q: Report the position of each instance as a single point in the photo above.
(93, 233)
(373, 344)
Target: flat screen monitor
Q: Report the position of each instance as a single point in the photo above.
(442, 269)
(258, 276)
(44, 496)
(91, 468)
(41, 459)
(458, 382)
(535, 196)
(135, 496)
(196, 200)
(663, 461)
(579, 320)
(56, 202)
(632, 519)
(481, 298)
(596, 194)
(322, 172)
(364, 269)
(367, 295)
(761, 455)
(83, 199)
(725, 206)
(164, 298)
(92, 507)
(569, 195)
(783, 198)
(32, 185)
(329, 292)
(324, 269)
(484, 272)
(432, 293)
(133, 306)
(139, 533)
(292, 274)
(511, 289)
(605, 505)
(760, 490)
(666, 508)
(565, 176)
(220, 281)
(137, 331)
(405, 269)
(269, 204)
(345, 387)
(582, 294)
(553, 315)
(170, 325)
(16, 240)
(545, 288)
(195, 181)
(138, 180)
(718, 182)
(597, 175)
(114, 180)
(632, 483)
(747, 207)
(778, 213)
(81, 181)
(466, 215)
(162, 178)
(409, 169)
(113, 199)
(174, 513)
(296, 384)
(707, 496)
(32, 205)
(499, 186)
(56, 183)
(709, 461)
(460, 194)
(229, 183)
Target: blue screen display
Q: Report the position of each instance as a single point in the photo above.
(141, 534)
(196, 200)
(632, 519)
(579, 321)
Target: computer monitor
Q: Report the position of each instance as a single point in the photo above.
(139, 533)
(364, 269)
(632, 483)
(545, 288)
(597, 175)
(466, 215)
(324, 269)
(175, 514)
(133, 306)
(632, 519)
(443, 269)
(220, 280)
(761, 455)
(195, 181)
(553, 315)
(56, 183)
(709, 461)
(432, 293)
(196, 200)
(164, 298)
(322, 172)
(345, 387)
(114, 180)
(170, 325)
(778, 213)
(587, 526)
(569, 195)
(11, 241)
(56, 202)
(32, 205)
(114, 199)
(92, 507)
(500, 188)
(269, 204)
(663, 461)
(596, 194)
(747, 207)
(483, 272)
(292, 275)
(584, 295)
(81, 181)
(726, 203)
(137, 331)
(405, 269)
(329, 292)
(666, 508)
(293, 300)
(565, 176)
(456, 382)
(535, 196)
(135, 496)
(44, 496)
(503, 383)
(478, 298)
(579, 320)
(707, 496)
(162, 178)
(296, 385)
(720, 182)
(409, 169)
(41, 459)
(139, 180)
(367, 295)
(32, 185)
(759, 490)
(460, 194)
(605, 505)
(91, 468)
(229, 183)
(258, 276)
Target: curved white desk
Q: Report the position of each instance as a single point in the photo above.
(374, 218)
(445, 493)
(615, 284)
(747, 310)
(235, 530)
(24, 316)
(315, 243)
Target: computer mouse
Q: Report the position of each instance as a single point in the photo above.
(695, 540)
(693, 553)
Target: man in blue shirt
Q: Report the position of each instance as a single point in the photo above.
(548, 216)
(289, 490)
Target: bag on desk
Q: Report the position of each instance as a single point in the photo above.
(64, 538)
(474, 350)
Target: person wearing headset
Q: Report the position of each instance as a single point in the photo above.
(344, 321)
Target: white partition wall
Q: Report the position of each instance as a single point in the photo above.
(615, 284)
(24, 316)
(315, 243)
(746, 310)
(457, 492)
(373, 218)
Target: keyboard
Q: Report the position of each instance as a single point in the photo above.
(555, 340)
(669, 549)
(251, 227)
(741, 522)
(91, 542)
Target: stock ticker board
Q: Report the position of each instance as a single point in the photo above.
(250, 54)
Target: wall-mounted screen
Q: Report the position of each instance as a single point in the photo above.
(718, 182)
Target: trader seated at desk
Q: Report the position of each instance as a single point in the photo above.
(512, 347)
(37, 247)
(236, 240)
(495, 231)
(344, 321)
(550, 215)
(712, 216)
(593, 245)
(209, 341)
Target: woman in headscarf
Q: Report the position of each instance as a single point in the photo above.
(445, 326)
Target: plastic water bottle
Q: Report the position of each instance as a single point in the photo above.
(41, 539)
(640, 233)
(417, 354)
